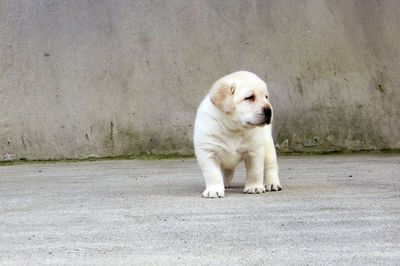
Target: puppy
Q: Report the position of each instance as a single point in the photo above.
(233, 123)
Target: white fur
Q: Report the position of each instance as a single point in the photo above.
(222, 139)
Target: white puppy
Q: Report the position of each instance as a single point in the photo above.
(233, 123)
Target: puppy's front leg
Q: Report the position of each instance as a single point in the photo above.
(271, 177)
(254, 162)
(213, 177)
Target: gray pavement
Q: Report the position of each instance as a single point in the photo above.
(337, 210)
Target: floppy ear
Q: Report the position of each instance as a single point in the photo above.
(221, 96)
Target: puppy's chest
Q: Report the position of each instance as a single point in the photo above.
(234, 150)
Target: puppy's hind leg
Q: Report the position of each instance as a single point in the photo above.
(228, 176)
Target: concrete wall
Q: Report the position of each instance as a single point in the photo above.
(83, 78)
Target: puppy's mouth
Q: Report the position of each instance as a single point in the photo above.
(266, 121)
(261, 119)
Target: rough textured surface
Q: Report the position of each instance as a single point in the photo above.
(104, 78)
(337, 210)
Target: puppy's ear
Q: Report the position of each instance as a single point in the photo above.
(221, 96)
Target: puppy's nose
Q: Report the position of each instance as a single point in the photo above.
(268, 113)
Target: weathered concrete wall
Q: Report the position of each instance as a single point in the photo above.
(86, 78)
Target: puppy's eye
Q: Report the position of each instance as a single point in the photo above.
(266, 97)
(250, 98)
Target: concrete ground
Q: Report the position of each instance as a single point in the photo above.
(338, 210)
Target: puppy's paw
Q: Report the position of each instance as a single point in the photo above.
(271, 180)
(214, 192)
(273, 187)
(254, 189)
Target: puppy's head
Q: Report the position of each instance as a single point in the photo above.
(243, 96)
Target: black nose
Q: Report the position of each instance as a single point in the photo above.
(268, 113)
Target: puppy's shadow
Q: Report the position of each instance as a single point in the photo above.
(195, 190)
(235, 188)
